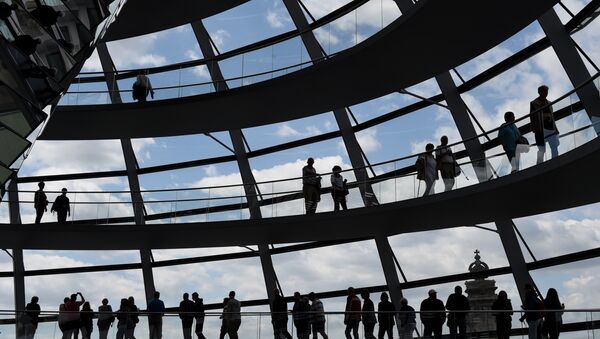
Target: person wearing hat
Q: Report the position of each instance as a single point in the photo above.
(62, 207)
(433, 315)
(40, 202)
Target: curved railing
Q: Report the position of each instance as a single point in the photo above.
(258, 324)
(395, 180)
(260, 55)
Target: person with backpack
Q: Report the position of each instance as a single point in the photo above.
(446, 163)
(142, 87)
(427, 169)
(510, 137)
(62, 207)
(105, 319)
(408, 320)
(533, 312)
(301, 316)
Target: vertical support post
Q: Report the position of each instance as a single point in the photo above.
(341, 115)
(458, 109)
(569, 57)
(386, 256)
(514, 254)
(239, 149)
(17, 253)
(131, 168)
(354, 153)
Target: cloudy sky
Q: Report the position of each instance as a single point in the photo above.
(421, 255)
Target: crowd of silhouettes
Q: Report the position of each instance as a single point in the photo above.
(76, 316)
(61, 205)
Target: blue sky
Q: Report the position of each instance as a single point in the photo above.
(335, 267)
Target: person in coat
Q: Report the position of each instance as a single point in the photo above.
(503, 315)
(433, 315)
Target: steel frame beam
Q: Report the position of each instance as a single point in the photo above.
(17, 253)
(131, 169)
(573, 64)
(386, 254)
(239, 148)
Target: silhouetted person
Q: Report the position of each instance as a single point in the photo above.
(446, 163)
(142, 87)
(46, 15)
(87, 320)
(311, 186)
(40, 202)
(105, 319)
(33, 312)
(186, 314)
(408, 320)
(509, 136)
(72, 308)
(533, 315)
(427, 169)
(457, 320)
(317, 316)
(26, 43)
(368, 314)
(63, 319)
(135, 319)
(543, 124)
(62, 207)
(199, 315)
(156, 311)
(123, 315)
(339, 191)
(234, 318)
(433, 315)
(223, 317)
(504, 316)
(552, 314)
(352, 315)
(279, 316)
(6, 10)
(386, 317)
(301, 316)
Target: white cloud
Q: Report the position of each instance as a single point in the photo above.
(368, 140)
(200, 71)
(276, 17)
(285, 131)
(131, 53)
(219, 37)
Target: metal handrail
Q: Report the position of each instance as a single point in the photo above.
(485, 133)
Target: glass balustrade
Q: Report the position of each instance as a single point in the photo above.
(573, 323)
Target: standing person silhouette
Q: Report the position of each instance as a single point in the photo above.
(446, 163)
(279, 316)
(142, 87)
(234, 317)
(40, 202)
(62, 207)
(543, 124)
(186, 314)
(339, 191)
(427, 169)
(311, 186)
(199, 314)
